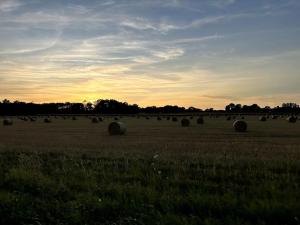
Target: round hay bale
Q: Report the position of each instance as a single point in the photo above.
(32, 119)
(292, 119)
(47, 120)
(116, 128)
(174, 119)
(200, 120)
(7, 122)
(185, 122)
(262, 118)
(95, 120)
(240, 126)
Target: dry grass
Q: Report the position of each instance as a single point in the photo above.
(74, 172)
(151, 135)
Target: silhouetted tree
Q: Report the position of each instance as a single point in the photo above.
(111, 106)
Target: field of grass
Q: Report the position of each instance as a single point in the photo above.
(73, 172)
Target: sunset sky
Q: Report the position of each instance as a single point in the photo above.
(203, 53)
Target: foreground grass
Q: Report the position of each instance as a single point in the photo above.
(61, 188)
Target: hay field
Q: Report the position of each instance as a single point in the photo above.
(150, 136)
(74, 172)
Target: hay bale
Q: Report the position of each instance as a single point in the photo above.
(117, 128)
(23, 118)
(7, 122)
(47, 120)
(174, 119)
(262, 118)
(32, 119)
(185, 122)
(240, 126)
(200, 120)
(95, 120)
(292, 119)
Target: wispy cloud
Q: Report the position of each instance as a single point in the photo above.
(34, 48)
(222, 3)
(10, 5)
(165, 26)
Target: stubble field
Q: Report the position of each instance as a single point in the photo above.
(74, 172)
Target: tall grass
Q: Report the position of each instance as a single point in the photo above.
(62, 188)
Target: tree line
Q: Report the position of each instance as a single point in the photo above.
(254, 108)
(111, 106)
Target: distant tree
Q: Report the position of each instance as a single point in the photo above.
(5, 101)
(238, 108)
(89, 107)
(111, 106)
(267, 108)
(290, 105)
(193, 109)
(233, 107)
(230, 107)
(251, 109)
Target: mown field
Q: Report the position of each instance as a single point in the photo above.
(74, 172)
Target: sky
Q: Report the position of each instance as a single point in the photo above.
(202, 53)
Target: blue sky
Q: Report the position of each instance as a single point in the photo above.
(204, 53)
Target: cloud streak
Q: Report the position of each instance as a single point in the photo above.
(9, 5)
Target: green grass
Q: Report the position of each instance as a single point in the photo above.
(53, 188)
